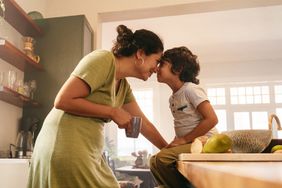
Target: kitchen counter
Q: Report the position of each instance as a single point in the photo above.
(232, 174)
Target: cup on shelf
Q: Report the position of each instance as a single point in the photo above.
(135, 127)
(28, 43)
(2, 76)
(36, 58)
(26, 88)
(20, 86)
(12, 77)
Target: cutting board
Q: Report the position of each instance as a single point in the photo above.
(229, 157)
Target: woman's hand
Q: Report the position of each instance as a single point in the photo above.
(177, 142)
(121, 117)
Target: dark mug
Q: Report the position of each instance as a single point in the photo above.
(135, 127)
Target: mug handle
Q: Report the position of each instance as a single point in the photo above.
(37, 58)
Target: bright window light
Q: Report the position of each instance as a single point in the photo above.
(241, 120)
(278, 93)
(250, 95)
(125, 146)
(216, 96)
(259, 120)
(222, 123)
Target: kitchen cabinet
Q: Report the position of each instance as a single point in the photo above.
(66, 40)
(14, 173)
(17, 18)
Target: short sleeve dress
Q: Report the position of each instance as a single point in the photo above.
(68, 149)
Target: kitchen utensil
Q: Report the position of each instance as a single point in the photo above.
(33, 86)
(24, 145)
(135, 127)
(35, 15)
(249, 141)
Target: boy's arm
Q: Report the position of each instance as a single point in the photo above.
(208, 122)
(148, 129)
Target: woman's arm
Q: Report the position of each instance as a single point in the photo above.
(147, 129)
(207, 123)
(71, 99)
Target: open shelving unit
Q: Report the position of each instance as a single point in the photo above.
(16, 57)
(12, 97)
(18, 19)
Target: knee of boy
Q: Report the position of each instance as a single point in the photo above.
(165, 158)
(152, 163)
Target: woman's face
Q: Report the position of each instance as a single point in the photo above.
(149, 66)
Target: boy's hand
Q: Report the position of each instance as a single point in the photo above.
(176, 142)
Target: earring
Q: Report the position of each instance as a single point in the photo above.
(142, 60)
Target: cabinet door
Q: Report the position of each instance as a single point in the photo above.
(65, 41)
(14, 173)
(87, 38)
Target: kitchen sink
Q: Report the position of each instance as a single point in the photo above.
(272, 143)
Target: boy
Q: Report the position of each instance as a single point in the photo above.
(192, 112)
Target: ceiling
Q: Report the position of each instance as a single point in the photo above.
(236, 33)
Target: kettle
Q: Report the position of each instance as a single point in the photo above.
(24, 144)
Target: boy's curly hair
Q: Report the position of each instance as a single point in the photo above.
(184, 62)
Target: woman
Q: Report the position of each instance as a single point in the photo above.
(68, 149)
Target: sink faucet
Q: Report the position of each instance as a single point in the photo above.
(270, 119)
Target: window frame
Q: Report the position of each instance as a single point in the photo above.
(270, 107)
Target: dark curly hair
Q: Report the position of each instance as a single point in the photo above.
(183, 61)
(127, 42)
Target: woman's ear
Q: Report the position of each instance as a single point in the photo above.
(140, 56)
(140, 53)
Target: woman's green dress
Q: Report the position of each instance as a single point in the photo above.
(68, 149)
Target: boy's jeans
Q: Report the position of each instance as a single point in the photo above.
(163, 167)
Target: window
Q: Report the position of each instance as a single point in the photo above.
(259, 120)
(250, 95)
(216, 96)
(126, 145)
(241, 120)
(247, 105)
(222, 124)
(279, 114)
(278, 93)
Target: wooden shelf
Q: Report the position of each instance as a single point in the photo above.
(16, 57)
(18, 18)
(12, 97)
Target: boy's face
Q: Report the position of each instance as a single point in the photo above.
(164, 73)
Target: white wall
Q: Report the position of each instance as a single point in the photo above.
(34, 5)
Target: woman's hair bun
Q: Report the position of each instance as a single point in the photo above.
(124, 34)
(127, 43)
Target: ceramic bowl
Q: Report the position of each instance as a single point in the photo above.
(249, 141)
